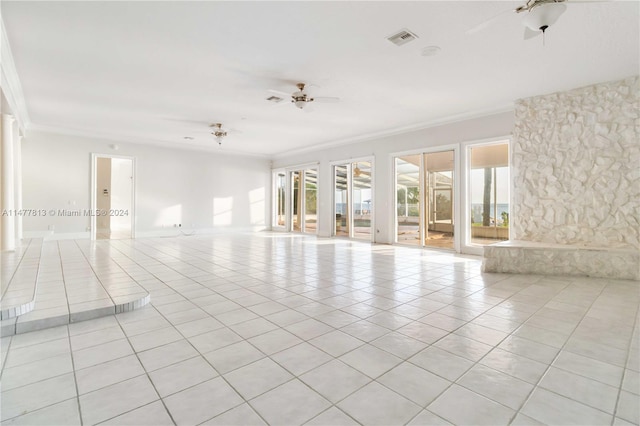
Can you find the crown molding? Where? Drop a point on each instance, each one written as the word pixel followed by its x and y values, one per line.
pixel 469 115
pixel 111 138
pixel 11 86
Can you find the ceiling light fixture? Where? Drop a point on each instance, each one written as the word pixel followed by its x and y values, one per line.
pixel 300 97
pixel 218 132
pixel 543 16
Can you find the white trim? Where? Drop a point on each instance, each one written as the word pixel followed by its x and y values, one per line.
pixel 469 115
pixel 11 86
pixel 302 166
pixel 94 158
pixel 183 232
pixel 351 160
pixel 488 141
pixel 274 199
pixel 53 236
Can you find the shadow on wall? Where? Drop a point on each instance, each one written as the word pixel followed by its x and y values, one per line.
pixel 257 206
pixel 222 211
pixel 225 215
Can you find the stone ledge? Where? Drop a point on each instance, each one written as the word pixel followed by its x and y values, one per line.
pixel 528 257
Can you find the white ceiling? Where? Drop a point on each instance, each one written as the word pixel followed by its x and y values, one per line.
pixel 160 71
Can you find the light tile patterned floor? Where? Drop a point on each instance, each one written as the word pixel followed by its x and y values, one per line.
pixel 278 329
pixel 76 281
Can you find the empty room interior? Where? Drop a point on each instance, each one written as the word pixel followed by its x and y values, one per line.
pixel 320 213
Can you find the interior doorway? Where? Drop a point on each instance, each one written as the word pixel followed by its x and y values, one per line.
pixel 112 197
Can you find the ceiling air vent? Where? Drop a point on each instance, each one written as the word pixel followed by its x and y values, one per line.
pixel 274 99
pixel 402 37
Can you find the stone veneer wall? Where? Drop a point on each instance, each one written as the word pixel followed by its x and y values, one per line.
pixel 576 185
pixel 576 167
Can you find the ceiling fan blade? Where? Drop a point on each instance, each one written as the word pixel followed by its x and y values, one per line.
pixel 282 103
pixel 326 99
pixel 529 33
pixel 279 93
pixel 186 121
pixel 487 23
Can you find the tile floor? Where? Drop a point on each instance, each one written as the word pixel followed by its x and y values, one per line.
pixel 279 329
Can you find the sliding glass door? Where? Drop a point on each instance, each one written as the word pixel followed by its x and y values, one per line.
pixel 304 200
pixel 425 194
pixel 409 207
pixel 439 197
pixel 353 200
pixel 310 201
pixel 342 224
pixel 280 188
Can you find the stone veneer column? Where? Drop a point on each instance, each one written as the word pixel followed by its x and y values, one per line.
pixel 575 185
pixel 8 220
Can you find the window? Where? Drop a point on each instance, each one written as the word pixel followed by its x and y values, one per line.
pixel 310 201
pixel 489 193
pixel 280 190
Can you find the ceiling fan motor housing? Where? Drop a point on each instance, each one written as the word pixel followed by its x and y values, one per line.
pixel 540 17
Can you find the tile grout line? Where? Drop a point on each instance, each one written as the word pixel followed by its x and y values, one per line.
pixel 550 364
pixel 247 284
pixel 624 369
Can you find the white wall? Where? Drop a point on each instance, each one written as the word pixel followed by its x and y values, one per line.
pixel 200 190
pixel 492 126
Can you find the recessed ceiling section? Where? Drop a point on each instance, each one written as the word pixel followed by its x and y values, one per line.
pixel 157 71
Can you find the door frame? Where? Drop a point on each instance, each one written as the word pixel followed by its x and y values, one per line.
pixel 457 196
pixel 94 196
pixel 466 246
pixel 288 201
pixel 348 163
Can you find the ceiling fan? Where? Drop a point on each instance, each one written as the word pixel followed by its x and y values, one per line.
pixel 220 133
pixel 301 98
pixel 539 15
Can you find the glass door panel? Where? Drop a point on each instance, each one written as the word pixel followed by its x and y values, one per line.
pixel 310 201
pixel 296 204
pixel 408 199
pixel 341 191
pixel 489 193
pixel 439 189
pixel 362 200
pixel 280 199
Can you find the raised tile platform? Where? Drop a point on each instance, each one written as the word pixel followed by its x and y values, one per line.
pixel 527 257
pixel 68 282
pixel 18 277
